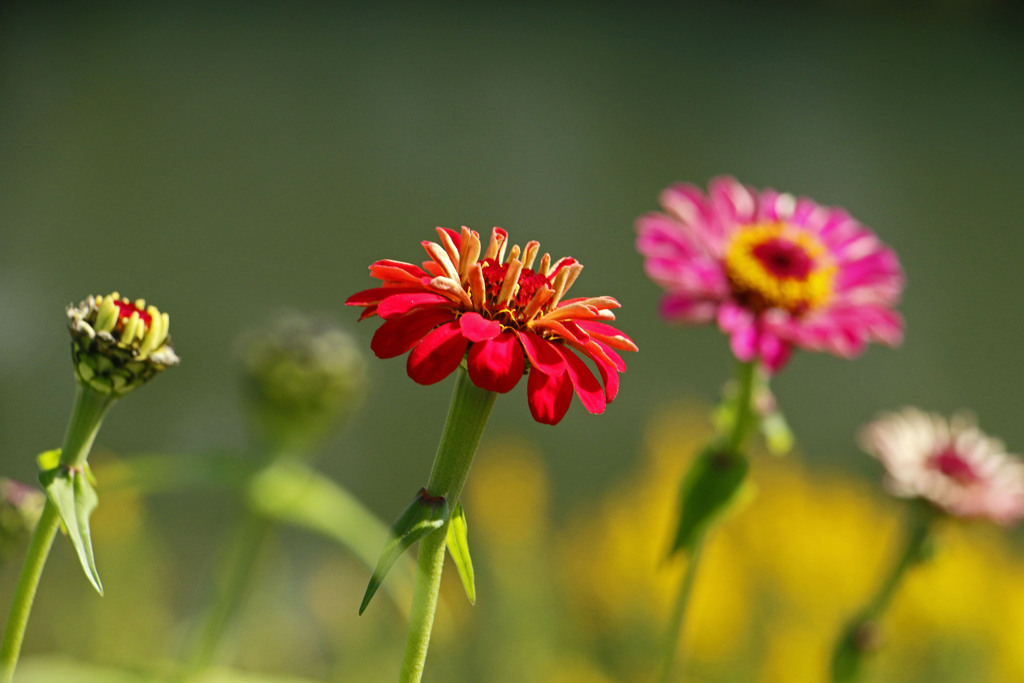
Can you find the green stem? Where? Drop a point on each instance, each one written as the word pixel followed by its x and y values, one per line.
pixel 86 417
pixel 675 626
pixel 237 574
pixel 467 417
pixel 744 419
pixel 859 636
pixel 25 593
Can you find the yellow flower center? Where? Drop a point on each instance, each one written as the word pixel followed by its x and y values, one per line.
pixel 773 265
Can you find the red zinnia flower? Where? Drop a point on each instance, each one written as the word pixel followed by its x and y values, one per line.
pixel 502 316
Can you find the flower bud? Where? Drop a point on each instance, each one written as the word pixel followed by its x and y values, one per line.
pixel 302 377
pixel 118 344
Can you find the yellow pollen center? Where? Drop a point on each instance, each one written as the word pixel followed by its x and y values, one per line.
pixel 773 265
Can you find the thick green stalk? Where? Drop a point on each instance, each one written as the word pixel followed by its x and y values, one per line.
pixel 743 420
pixel 86 417
pixel 859 635
pixel 467 417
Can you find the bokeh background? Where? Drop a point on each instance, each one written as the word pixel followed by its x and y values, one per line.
pixel 231 160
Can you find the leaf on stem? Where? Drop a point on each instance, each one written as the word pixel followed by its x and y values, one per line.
pixel 458 547
pixel 72 494
pixel 424 515
pixel 708 489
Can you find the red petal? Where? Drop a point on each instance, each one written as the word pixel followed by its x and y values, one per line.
pixel 542 354
pixel 396 271
pixel 608 334
pixel 378 294
pixel 496 364
pixel 587 387
pixel 549 396
pixel 477 328
pixel 605 359
pixel 399 334
pixel 437 355
pixel 401 304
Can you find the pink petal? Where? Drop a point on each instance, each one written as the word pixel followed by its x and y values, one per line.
pixel 743 343
pixel 400 304
pixel 542 354
pixel 732 317
pixel 685 308
pixel 401 333
pixel 437 355
pixel 477 328
pixel 587 387
pixel 496 364
pixel 773 352
pixel 549 396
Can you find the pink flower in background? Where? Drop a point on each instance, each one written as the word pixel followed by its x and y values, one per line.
pixel 502 317
pixel 774 271
pixel 949 463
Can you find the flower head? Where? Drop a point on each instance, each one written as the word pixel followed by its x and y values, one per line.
pixel 951 464
pixel 773 270
pixel 302 375
pixel 118 344
pixel 505 314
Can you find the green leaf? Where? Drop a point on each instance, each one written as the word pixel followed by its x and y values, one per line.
pixel 292 492
pixel 72 493
pixel 424 515
pixel 848 657
pixel 458 547
pixel 707 490
pixel 163 472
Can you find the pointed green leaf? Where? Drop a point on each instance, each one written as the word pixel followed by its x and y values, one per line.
pixel 290 491
pixel 458 547
pixel 72 494
pixel 424 514
pixel 707 490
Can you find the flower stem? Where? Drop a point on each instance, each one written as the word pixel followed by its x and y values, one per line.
pixel 675 626
pixel 86 417
pixel 236 577
pixel 860 634
pixel 743 419
pixel 467 417
pixel 25 593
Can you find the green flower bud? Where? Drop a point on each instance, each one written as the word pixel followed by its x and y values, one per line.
pixel 20 508
pixel 118 344
pixel 302 376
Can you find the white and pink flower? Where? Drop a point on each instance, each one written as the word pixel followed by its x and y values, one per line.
pixel 950 463
pixel 773 270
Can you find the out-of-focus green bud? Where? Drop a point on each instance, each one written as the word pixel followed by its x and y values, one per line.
pixel 20 507
pixel 117 344
pixel 303 376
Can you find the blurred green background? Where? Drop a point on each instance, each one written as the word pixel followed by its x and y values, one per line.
pixel 229 160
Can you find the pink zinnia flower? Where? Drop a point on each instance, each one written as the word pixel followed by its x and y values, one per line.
pixel 503 317
pixel 773 270
pixel 949 463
